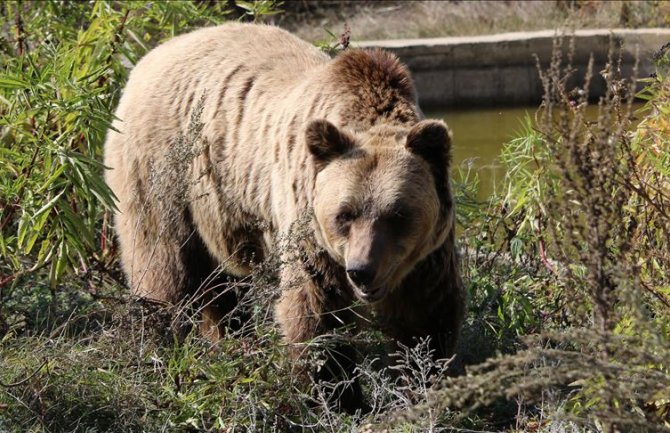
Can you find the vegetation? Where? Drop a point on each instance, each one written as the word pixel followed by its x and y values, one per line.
pixel 567 271
pixel 394 19
pixel 575 257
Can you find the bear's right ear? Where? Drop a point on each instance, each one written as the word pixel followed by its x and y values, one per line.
pixel 325 142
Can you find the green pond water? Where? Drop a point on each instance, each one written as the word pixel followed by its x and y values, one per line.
pixel 479 135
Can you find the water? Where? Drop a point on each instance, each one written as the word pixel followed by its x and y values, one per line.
pixel 479 135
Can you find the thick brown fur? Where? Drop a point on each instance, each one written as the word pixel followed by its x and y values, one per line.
pixel 229 136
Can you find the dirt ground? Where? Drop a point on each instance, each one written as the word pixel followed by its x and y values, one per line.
pixel 372 20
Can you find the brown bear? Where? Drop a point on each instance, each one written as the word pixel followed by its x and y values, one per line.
pixel 231 137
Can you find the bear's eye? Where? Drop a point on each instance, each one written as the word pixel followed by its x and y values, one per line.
pixel 399 220
pixel 399 214
pixel 345 217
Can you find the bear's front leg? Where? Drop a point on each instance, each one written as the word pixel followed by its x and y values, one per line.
pixel 308 312
pixel 440 324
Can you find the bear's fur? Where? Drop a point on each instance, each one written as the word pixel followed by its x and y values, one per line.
pixel 229 136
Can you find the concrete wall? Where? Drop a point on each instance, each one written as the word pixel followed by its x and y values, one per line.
pixel 502 69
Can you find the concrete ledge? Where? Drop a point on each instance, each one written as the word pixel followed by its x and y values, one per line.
pixel 502 69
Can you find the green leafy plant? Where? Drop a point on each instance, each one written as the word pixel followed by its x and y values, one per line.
pixel 62 70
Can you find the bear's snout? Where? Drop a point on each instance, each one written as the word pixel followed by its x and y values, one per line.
pixel 364 281
pixel 361 276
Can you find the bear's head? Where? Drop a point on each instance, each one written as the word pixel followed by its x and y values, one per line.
pixel 382 200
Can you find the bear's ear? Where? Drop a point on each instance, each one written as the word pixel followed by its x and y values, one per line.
pixel 431 139
pixel 325 142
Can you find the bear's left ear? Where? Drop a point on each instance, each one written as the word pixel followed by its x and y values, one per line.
pixel 326 142
pixel 431 139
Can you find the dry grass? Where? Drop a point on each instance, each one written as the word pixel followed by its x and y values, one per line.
pixel 374 20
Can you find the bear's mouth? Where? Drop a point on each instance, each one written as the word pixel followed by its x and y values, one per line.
pixel 368 294
pixel 375 291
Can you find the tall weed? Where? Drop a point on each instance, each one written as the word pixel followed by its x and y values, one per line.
pixel 581 239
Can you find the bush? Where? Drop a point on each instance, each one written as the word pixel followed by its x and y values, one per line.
pixel 579 244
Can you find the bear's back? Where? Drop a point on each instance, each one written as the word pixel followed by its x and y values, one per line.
pixel 259 47
pixel 208 61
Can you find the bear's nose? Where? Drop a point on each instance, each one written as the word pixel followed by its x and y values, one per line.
pixel 361 276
